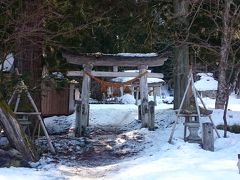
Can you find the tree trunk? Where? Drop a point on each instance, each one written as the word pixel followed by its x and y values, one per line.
pixel 15 135
pixel 181 73
pixel 181 53
pixel 225 117
pixel 28 57
pixel 222 91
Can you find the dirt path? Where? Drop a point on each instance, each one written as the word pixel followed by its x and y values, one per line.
pixel 92 156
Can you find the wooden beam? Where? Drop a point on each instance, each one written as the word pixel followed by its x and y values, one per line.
pixel 113 60
pixel 27 113
pixel 114 74
pixel 41 122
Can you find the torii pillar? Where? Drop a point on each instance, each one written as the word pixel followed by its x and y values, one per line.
pixel 84 109
pixel 144 96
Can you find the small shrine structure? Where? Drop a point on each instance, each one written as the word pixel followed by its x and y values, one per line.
pixel 90 60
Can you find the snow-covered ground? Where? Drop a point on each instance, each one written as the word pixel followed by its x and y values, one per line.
pixel 158 159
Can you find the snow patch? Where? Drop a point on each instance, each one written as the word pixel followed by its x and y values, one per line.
pixel 206 82
pixel 168 100
pixel 127 99
pixel 58 124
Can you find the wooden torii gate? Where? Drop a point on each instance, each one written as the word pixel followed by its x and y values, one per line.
pixel 88 61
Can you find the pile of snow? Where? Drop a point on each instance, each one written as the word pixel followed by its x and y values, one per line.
pixel 168 99
pixel 206 82
pixel 58 124
pixel 112 114
pixel 127 99
pixel 57 75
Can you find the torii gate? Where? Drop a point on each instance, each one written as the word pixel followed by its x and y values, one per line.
pixel 88 61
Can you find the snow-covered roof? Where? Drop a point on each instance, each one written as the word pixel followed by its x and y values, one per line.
pixel 8 63
pixel 136 71
pixel 205 74
pixel 137 54
pixel 149 80
pixel 206 82
pixel 120 59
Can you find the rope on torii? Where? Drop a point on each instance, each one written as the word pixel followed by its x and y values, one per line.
pixel 115 84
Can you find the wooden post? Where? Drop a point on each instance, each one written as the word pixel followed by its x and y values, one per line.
pixel 238 164
pixel 115 68
pixel 104 98
pixel 144 96
pixel 88 114
pixel 71 98
pixel 139 112
pixel 179 111
pixel 12 97
pixel 155 96
pixel 41 122
pixel 185 128
pixel 132 90
pixel 76 128
pixel 17 103
pixel 208 139
pixel 151 115
pixel 121 91
pixel 85 96
pixel 195 94
pixel 137 95
pixel 77 94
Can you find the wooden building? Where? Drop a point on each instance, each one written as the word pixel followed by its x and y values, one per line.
pixel 57 102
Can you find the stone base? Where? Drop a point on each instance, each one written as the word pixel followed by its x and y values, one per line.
pixel 199 141
pixel 193 128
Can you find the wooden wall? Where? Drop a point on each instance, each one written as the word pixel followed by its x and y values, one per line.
pixel 57 102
